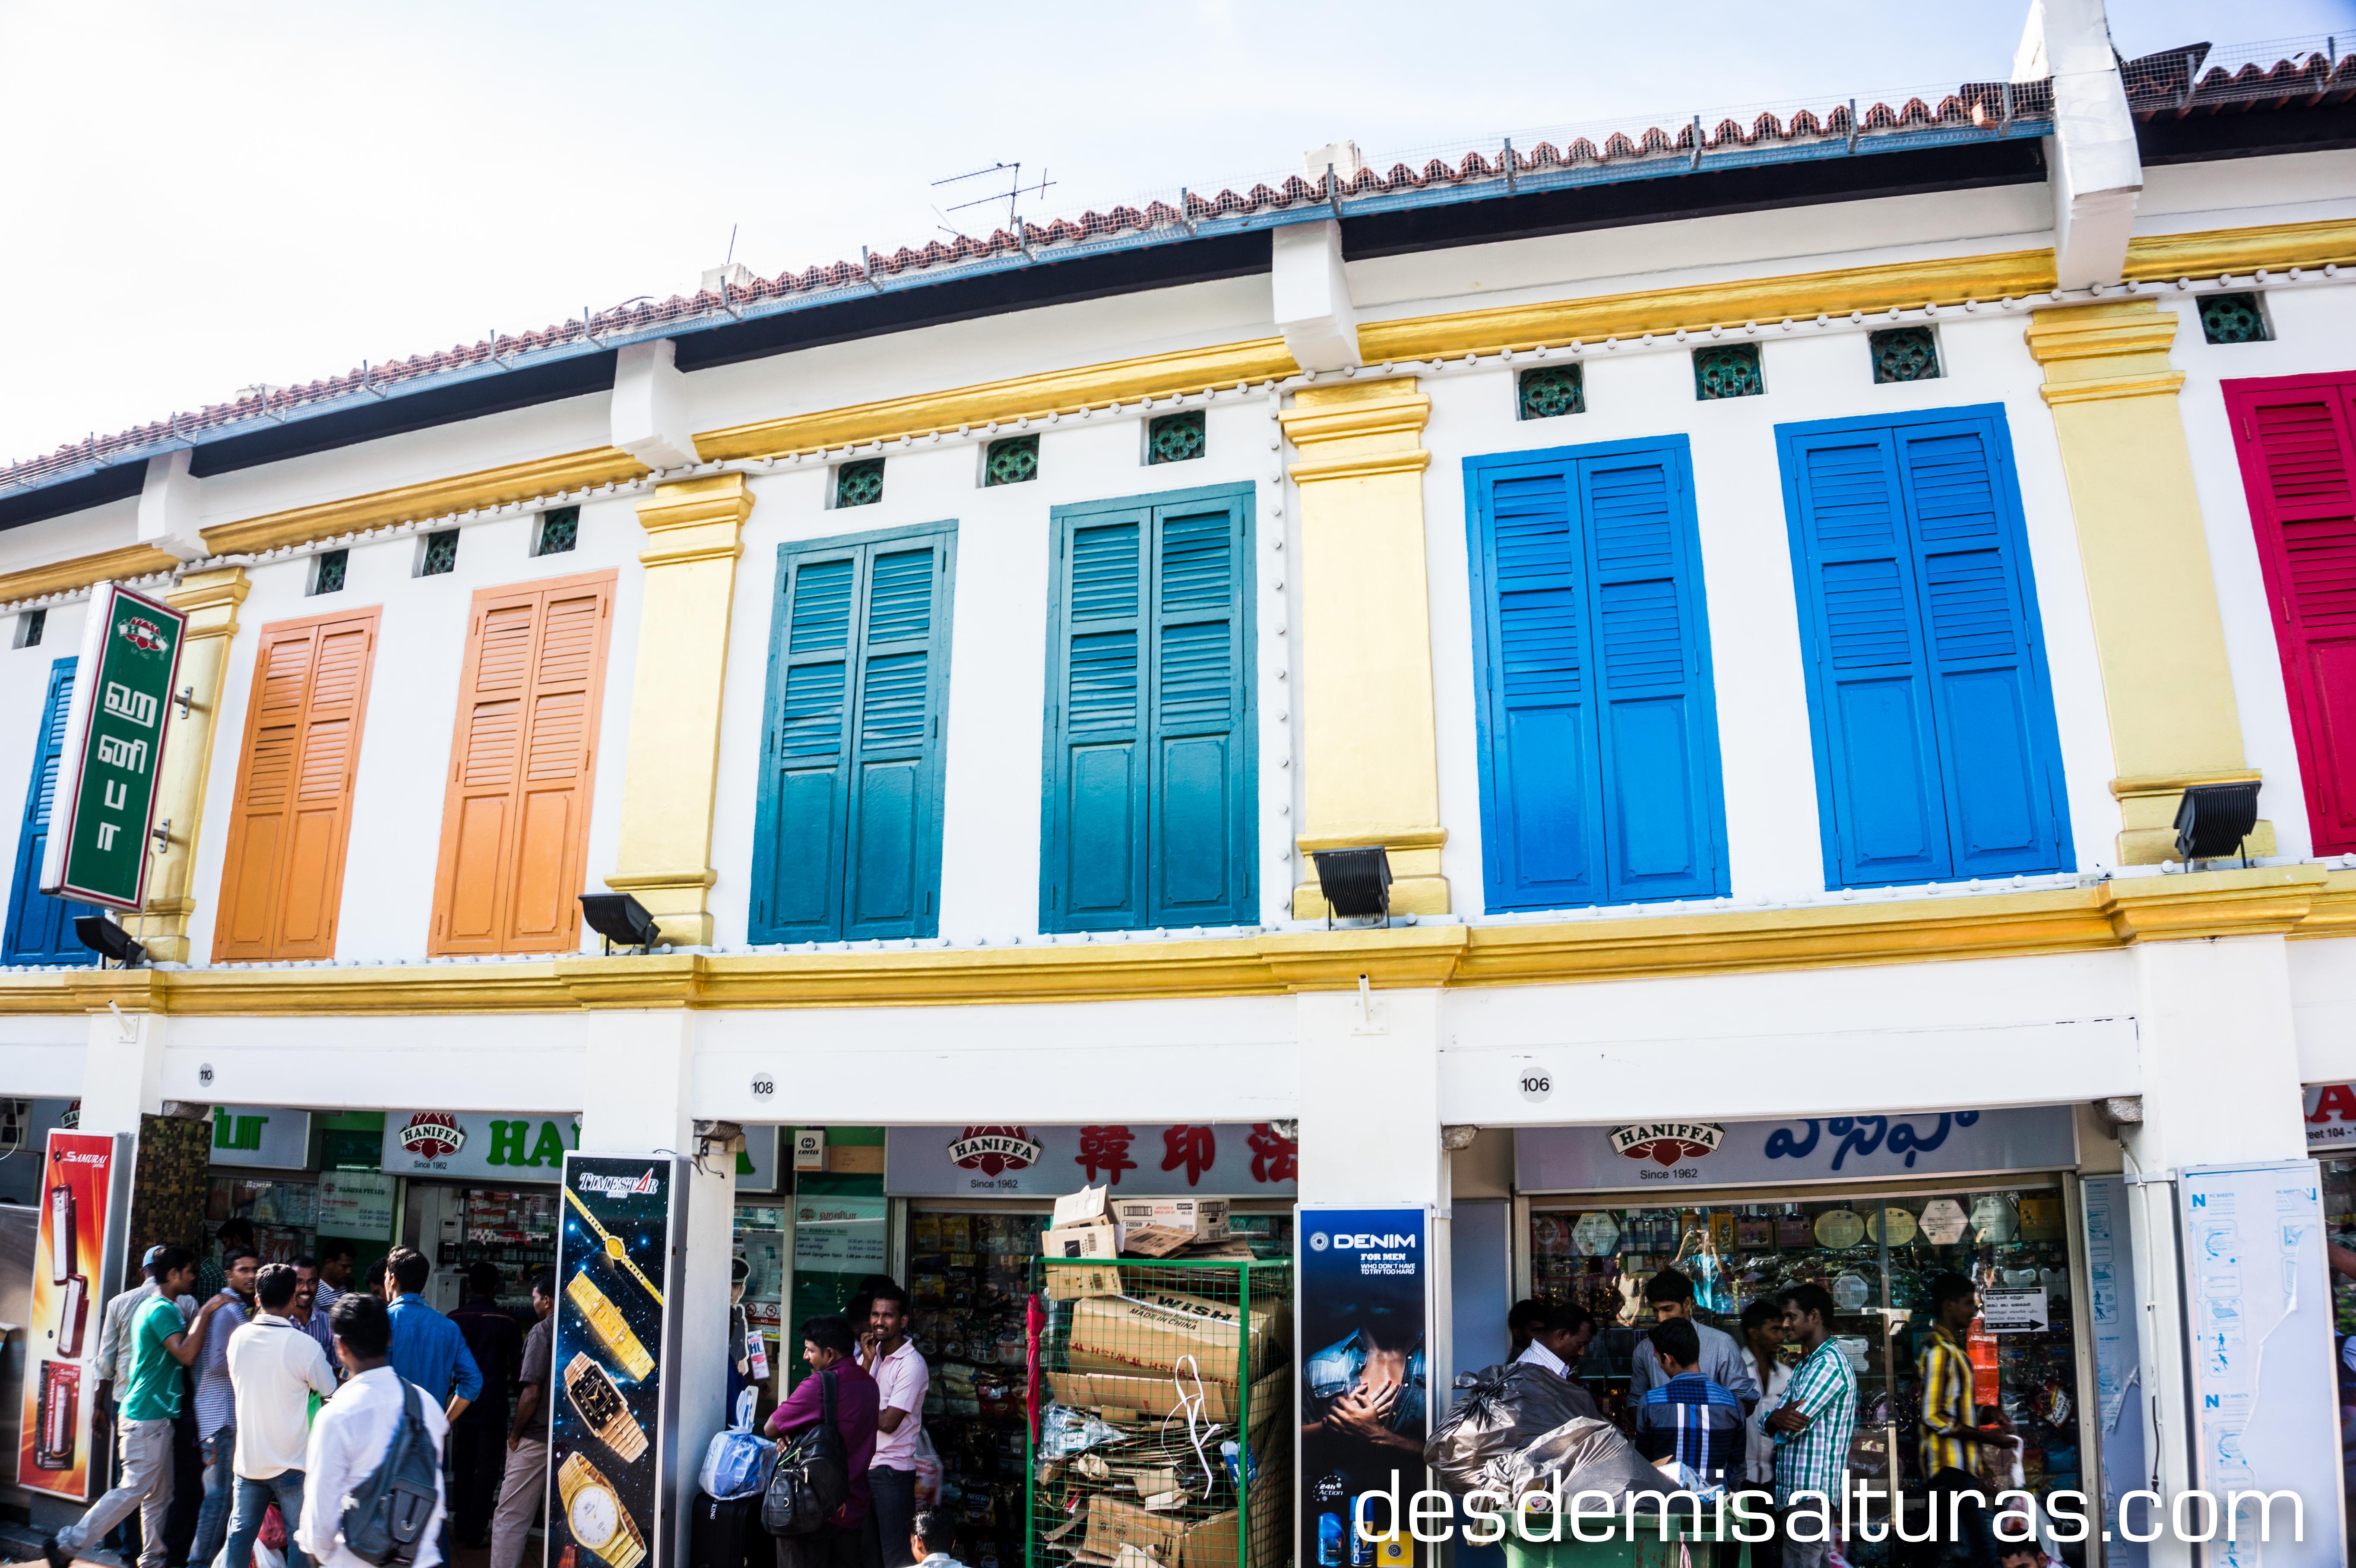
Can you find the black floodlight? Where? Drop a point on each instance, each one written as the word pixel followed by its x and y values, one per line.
pixel 1355 882
pixel 108 939
pixel 618 917
pixel 2215 821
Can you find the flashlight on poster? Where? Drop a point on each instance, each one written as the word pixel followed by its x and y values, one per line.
pixel 61 1233
pixel 73 1316
pixel 53 1444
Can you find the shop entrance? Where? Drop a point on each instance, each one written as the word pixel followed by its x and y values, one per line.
pixel 1878 1247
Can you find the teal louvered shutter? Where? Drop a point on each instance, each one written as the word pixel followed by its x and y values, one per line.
pixel 847 839
pixel 41 928
pixel 1097 839
pixel 1148 817
pixel 1659 738
pixel 1545 821
pixel 1197 812
pixel 1937 753
pixel 1599 771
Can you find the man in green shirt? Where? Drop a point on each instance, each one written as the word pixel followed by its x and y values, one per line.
pixel 161 1345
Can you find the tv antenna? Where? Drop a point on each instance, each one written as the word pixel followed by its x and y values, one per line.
pixel 1012 196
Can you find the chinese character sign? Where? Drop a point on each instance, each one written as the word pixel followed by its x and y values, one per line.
pixel 109 766
pixel 1104 1151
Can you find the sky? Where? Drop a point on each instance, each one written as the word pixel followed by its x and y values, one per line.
pixel 207 197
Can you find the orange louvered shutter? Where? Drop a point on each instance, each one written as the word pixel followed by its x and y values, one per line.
pixel 515 825
pixel 283 881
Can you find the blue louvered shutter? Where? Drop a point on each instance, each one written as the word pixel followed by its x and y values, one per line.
pixel 1657 742
pixel 1997 737
pixel 1098 835
pixel 40 929
pixel 847 844
pixel 1546 813
pixel 1938 756
pixel 1148 814
pixel 1197 815
pixel 1599 766
pixel 1880 750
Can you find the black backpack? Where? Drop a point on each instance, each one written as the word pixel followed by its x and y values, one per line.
pixel 811 1477
pixel 386 1519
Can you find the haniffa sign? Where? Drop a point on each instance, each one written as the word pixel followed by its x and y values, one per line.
pixel 107 768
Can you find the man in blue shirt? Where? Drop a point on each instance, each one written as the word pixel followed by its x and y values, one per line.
pixel 427 1349
pixel 1697 1421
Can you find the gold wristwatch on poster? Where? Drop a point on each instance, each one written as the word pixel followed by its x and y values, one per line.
pixel 606 1321
pixel 615 1252
pixel 590 1388
pixel 594 1512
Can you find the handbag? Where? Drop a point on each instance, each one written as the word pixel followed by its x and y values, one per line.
pixel 811 1477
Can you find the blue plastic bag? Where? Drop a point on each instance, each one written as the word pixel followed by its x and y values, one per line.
pixel 736 1464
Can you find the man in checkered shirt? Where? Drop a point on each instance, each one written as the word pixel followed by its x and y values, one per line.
pixel 1811 1429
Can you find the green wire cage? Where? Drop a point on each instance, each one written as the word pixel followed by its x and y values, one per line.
pixel 1161 1414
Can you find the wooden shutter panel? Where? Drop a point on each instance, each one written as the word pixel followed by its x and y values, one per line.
pixel 1545 820
pixel 2002 770
pixel 847 841
pixel 2297 438
pixel 1098 837
pixel 1937 754
pixel 1197 815
pixel 41 928
pixel 1658 743
pixel 515 821
pixel 281 885
pixel 1600 763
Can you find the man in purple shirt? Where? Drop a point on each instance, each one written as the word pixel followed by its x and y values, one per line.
pixel 828 1345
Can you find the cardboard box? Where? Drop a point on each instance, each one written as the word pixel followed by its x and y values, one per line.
pixel 1074 1281
pixel 1123 1394
pixel 1205 1217
pixel 1149 1331
pixel 1155 1240
pixel 1082 1207
pixel 1084 1240
pixel 1177 1541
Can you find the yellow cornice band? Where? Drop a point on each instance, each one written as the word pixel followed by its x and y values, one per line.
pixel 434 498
pixel 64 576
pixel 2292 901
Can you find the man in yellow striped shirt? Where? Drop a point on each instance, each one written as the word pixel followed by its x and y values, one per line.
pixel 1952 1435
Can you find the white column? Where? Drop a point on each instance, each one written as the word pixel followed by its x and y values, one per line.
pixel 634 1100
pixel 122 1070
pixel 1370 1099
pixel 2220 1084
pixel 2092 162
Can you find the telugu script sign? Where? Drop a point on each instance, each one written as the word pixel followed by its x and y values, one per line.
pixel 113 749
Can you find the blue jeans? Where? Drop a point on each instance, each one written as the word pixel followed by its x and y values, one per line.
pixel 245 1519
pixel 212 1520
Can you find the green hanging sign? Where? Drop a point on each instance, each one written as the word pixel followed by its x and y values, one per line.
pixel 112 757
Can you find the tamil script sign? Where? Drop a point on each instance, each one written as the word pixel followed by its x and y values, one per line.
pixel 112 755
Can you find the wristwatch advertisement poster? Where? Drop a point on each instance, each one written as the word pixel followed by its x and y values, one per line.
pixel 85 1204
pixel 620 1223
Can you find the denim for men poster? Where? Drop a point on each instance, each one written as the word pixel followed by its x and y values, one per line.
pixel 1365 1402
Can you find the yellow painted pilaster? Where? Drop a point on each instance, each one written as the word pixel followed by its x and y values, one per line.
pixel 2157 632
pixel 210 601
pixel 694 534
pixel 1369 756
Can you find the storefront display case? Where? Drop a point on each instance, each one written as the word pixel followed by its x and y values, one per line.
pixel 1877 1251
pixel 283 1210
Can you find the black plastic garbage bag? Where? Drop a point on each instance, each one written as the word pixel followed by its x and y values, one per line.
pixel 1582 1455
pixel 1500 1411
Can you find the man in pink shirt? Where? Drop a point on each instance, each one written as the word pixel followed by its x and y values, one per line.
pixel 899 1380
pixel 829 1346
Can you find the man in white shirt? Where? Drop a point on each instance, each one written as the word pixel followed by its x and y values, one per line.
pixel 931 1535
pixel 1670 1294
pixel 1558 1344
pixel 275 1369
pixel 887 1355
pixel 353 1433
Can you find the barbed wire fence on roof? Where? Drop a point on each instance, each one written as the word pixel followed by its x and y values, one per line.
pixel 2193 80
